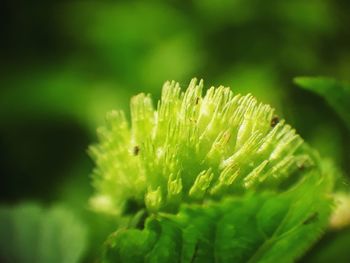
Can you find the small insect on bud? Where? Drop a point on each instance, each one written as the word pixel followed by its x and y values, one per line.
pixel 274 121
pixel 136 150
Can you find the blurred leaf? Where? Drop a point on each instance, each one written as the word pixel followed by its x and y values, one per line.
pixel 333 248
pixel 140 43
pixel 309 16
pixel 32 234
pixel 319 139
pixel 65 92
pixel 336 93
pixel 175 58
pixel 222 12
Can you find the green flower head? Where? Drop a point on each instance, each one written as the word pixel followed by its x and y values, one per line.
pixel 191 148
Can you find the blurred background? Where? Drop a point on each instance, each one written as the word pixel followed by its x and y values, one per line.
pixel 64 64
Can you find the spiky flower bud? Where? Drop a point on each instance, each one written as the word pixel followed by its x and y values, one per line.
pixel 193 148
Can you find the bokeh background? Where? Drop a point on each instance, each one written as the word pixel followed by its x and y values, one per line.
pixel 64 64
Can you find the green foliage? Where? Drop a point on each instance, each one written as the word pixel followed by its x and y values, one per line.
pixel 334 246
pixel 220 177
pixel 254 228
pixel 336 93
pixel 32 234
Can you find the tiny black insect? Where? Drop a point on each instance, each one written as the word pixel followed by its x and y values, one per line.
pixel 312 218
pixel 274 121
pixel 136 150
pixel 197 100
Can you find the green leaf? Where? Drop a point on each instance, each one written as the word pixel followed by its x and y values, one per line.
pixel 256 227
pixel 32 234
pixel 336 93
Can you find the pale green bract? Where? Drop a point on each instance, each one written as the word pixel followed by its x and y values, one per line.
pixel 220 177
